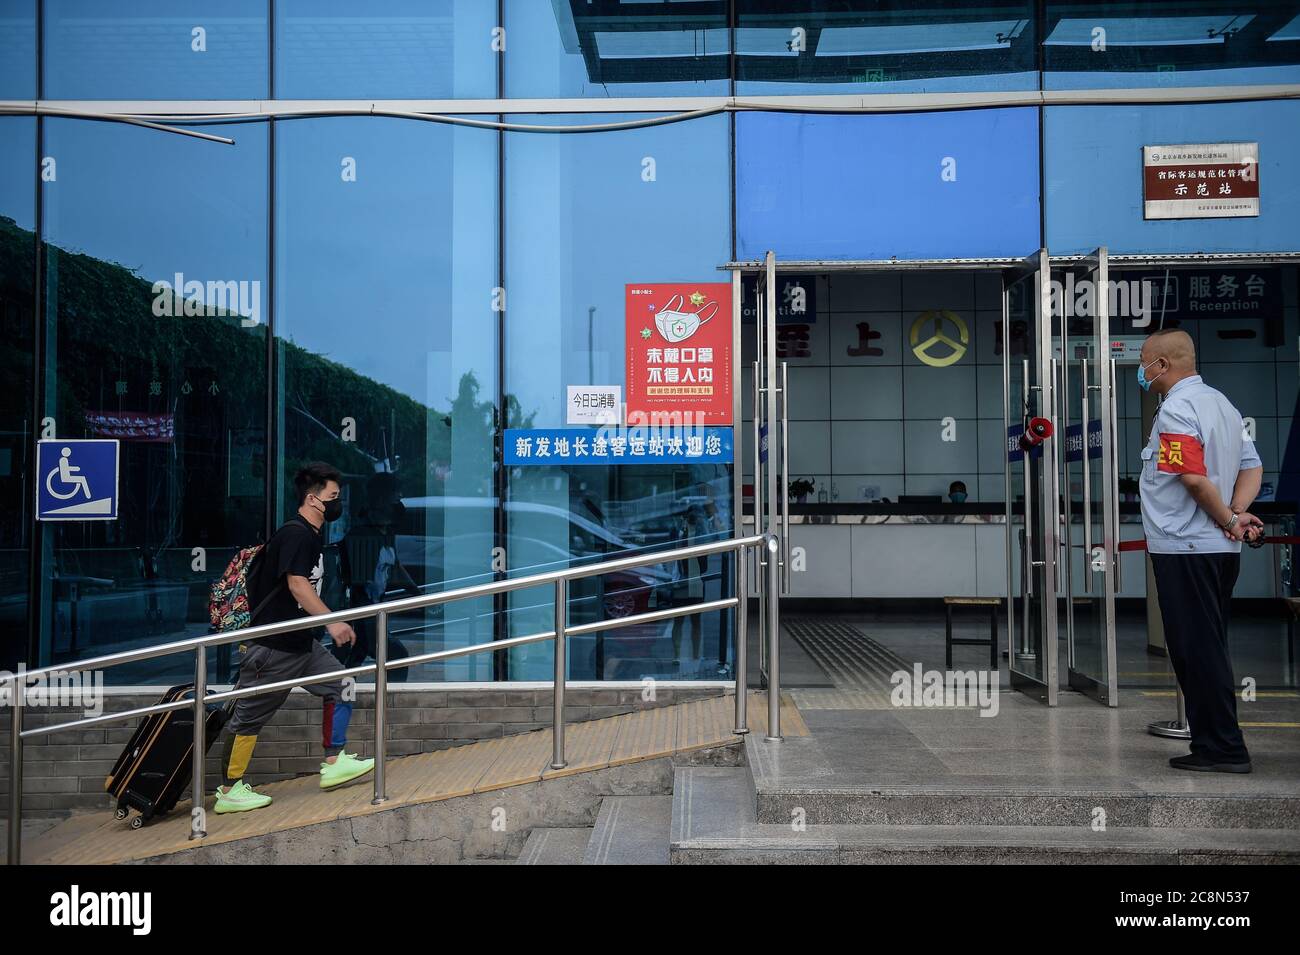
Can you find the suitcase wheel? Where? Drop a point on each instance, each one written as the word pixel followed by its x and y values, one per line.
pixel 120 813
pixel 137 822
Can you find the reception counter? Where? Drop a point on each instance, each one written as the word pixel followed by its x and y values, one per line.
pixel 896 555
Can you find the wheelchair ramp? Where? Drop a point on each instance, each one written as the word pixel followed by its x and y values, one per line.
pixel 483 767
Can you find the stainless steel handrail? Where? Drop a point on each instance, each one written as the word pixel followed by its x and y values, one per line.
pixel 382 612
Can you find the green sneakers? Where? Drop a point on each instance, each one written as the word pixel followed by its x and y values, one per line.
pixel 240 797
pixel 344 769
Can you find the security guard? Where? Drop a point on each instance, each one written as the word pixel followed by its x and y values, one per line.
pixel 1199 475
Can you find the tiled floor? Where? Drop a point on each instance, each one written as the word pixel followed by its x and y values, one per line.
pixel 1077 744
pixel 1258 646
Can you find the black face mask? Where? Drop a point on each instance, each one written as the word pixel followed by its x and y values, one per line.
pixel 333 510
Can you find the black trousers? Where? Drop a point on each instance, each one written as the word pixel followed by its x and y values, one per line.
pixel 1194 592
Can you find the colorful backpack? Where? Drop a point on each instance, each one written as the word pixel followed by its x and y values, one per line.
pixel 228 600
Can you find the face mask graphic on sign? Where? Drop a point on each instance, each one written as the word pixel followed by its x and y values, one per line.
pixel 676 325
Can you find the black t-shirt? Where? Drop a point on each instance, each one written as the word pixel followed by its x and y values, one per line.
pixel 294 549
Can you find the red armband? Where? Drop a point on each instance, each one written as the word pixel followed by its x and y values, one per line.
pixel 1180 454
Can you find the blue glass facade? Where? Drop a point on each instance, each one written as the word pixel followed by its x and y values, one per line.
pixel 390 295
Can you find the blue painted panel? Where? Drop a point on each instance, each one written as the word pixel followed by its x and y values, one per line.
pixel 874 186
pixel 1093 159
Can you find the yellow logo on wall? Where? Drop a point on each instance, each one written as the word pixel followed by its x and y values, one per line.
pixel 943 321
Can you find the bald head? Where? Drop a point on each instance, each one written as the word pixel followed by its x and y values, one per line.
pixel 1168 356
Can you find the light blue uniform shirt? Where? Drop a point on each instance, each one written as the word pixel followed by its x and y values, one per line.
pixel 1173 521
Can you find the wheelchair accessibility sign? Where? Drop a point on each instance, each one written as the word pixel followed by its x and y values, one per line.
pixel 76 479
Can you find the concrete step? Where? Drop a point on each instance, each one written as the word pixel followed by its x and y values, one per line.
pixel 793 777
pixel 631 830
pixel 714 821
pixel 555 847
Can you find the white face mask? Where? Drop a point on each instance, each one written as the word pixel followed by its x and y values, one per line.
pixel 677 326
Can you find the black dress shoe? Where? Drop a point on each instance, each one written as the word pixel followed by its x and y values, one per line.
pixel 1202 764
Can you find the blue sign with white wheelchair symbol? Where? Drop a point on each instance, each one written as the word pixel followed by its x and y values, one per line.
pixel 76 479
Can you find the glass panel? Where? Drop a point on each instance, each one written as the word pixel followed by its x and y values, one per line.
pixel 574 48
pixel 17 288
pixel 1028 472
pixel 847 46
pixel 155 49
pixel 1261 630
pixel 154 333
pixel 386 49
pixel 877 186
pixel 18 50
pixel 1159 44
pixel 1247 350
pixel 868 399
pixel 664 192
pixel 1082 355
pixel 385 266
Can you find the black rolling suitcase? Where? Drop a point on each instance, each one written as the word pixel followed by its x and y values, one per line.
pixel 154 769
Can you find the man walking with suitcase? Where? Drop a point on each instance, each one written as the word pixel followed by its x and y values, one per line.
pixel 286 575
pixel 1199 475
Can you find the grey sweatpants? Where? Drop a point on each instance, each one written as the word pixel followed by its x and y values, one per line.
pixel 265 665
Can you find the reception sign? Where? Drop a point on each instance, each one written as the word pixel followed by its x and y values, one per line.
pixel 678 340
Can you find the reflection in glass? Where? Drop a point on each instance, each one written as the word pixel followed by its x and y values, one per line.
pixel 663 194
pixel 390 49
pixel 386 260
pixel 842 46
pixel 572 48
pixel 1158 44
pixel 18 50
pixel 154 334
pixel 612 512
pixel 17 270
pixel 155 49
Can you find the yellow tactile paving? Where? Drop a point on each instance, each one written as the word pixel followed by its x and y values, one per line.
pixel 1270 725
pixel 792 723
pixel 427 777
pixel 646 734
pixel 458 771
pixel 520 760
pixel 705 722
pixel 401 782
pixel 587 746
pixel 1260 694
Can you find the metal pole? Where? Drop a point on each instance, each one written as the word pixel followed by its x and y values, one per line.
pixel 1006 475
pixel 1175 728
pixel 199 753
pixel 16 772
pixel 561 672
pixel 742 637
pixel 381 703
pixel 759 576
pixel 774 641
pixel 1027 550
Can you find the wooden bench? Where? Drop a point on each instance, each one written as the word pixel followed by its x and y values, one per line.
pixel 992 642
